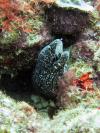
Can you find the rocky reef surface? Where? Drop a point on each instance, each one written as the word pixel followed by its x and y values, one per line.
pixel 19 50
pixel 77 108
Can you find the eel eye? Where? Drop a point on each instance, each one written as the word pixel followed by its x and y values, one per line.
pixel 55 59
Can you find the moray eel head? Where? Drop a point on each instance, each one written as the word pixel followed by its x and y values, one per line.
pixel 49 67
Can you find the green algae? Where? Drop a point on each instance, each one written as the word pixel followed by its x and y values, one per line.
pixel 33 39
pixel 81 67
pixel 9 37
pixel 36 23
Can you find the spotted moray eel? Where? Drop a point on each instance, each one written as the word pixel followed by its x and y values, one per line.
pixel 49 67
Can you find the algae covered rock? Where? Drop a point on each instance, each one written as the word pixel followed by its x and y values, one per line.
pixel 19 46
pixel 18 50
pixel 74 4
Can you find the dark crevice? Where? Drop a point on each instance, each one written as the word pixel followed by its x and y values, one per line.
pixel 20 87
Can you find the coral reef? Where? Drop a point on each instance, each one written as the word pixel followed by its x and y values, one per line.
pixel 19 50
pixel 49 67
pixel 22 32
pixel 22 117
pixel 74 82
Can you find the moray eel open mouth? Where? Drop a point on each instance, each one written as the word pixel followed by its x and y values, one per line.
pixel 49 67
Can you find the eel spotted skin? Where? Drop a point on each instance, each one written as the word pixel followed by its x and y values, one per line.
pixel 49 67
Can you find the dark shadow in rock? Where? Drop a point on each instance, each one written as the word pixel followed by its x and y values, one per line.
pixel 52 111
pixel 68 40
pixel 20 87
pixel 66 24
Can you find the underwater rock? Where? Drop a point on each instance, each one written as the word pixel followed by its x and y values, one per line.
pixel 66 22
pixel 18 51
pixel 68 17
pixel 75 4
pixel 50 66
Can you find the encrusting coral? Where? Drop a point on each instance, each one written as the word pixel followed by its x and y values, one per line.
pixel 49 67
